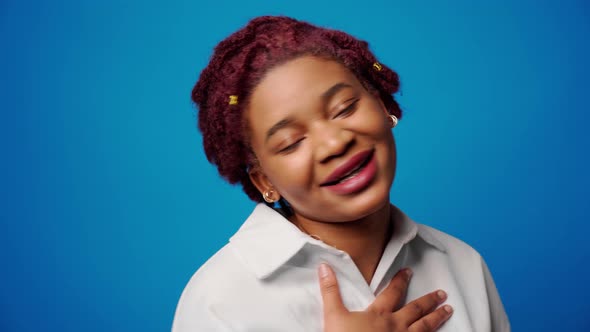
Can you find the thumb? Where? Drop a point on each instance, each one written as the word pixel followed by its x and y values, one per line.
pixel 330 291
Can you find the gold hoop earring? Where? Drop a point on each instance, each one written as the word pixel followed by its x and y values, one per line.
pixel 393 120
pixel 268 196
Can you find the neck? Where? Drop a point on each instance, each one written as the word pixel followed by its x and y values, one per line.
pixel 364 239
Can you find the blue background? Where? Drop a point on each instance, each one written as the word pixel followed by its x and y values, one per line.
pixel 109 205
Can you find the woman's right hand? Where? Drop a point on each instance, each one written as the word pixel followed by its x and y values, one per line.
pixel 420 315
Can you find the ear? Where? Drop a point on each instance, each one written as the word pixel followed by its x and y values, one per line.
pixel 384 110
pixel 375 95
pixel 262 182
pixel 382 106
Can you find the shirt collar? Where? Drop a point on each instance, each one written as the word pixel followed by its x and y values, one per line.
pixel 267 240
pixel 406 229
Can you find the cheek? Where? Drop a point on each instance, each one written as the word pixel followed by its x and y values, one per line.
pixel 292 176
pixel 374 117
pixel 377 126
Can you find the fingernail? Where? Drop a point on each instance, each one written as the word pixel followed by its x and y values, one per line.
pixel 408 273
pixel 441 295
pixel 323 270
pixel 448 309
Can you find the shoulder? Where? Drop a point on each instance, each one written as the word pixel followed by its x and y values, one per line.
pixel 465 263
pixel 458 256
pixel 219 280
pixel 473 276
pixel 425 237
pixel 446 242
pixel 217 276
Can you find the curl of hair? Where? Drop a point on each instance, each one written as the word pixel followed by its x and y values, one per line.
pixel 240 62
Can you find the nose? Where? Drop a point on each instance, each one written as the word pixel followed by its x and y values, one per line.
pixel 332 141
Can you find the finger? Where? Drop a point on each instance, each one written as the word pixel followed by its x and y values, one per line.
pixel 394 293
pixel 330 292
pixel 420 307
pixel 433 320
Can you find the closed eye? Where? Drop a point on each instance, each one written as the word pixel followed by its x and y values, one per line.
pixel 291 147
pixel 348 109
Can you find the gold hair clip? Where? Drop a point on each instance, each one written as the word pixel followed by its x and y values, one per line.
pixel 233 100
pixel 377 66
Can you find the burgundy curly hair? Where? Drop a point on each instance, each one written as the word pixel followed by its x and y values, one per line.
pixel 240 62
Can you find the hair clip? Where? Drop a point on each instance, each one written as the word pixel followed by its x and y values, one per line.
pixel 233 100
pixel 377 66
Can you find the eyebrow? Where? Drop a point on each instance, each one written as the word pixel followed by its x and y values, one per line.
pixel 289 120
pixel 334 90
pixel 278 126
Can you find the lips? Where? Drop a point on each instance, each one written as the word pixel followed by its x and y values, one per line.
pixel 350 167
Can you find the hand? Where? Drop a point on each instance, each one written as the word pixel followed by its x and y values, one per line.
pixel 417 316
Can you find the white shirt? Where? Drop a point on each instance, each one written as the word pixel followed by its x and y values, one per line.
pixel 265 279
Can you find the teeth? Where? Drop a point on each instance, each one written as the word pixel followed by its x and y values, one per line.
pixel 351 175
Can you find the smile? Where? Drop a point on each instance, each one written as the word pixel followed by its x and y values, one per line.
pixel 354 175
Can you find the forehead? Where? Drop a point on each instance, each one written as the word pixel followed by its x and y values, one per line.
pixel 301 78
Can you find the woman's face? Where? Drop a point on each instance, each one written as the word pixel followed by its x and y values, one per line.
pixel 323 142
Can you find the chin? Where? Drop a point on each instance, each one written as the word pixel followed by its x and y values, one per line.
pixel 332 208
pixel 363 205
pixel 374 203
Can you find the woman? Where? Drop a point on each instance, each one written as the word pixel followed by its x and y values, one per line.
pixel 301 117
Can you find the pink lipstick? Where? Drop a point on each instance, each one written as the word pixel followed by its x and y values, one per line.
pixel 354 175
